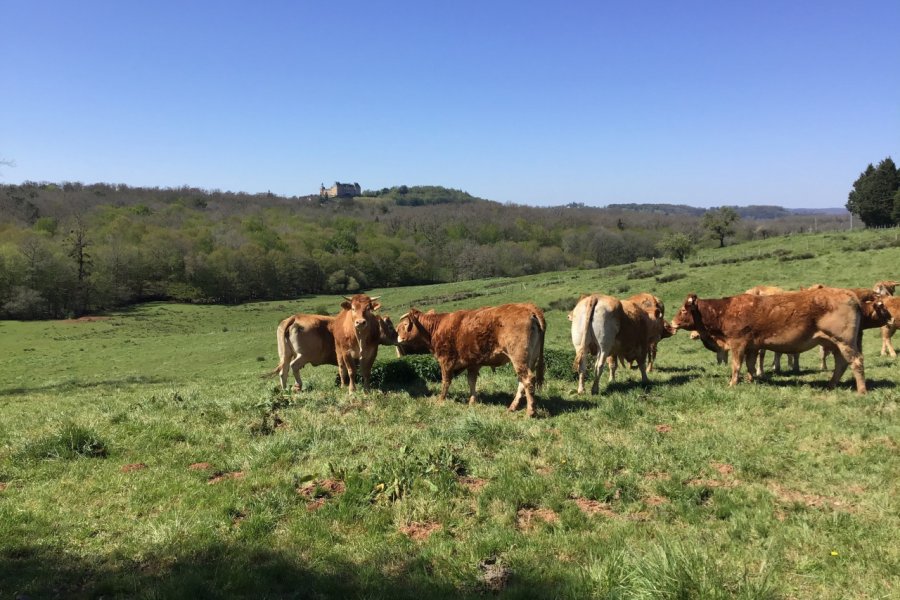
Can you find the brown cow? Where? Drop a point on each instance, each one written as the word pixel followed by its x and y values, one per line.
pixel 792 322
pixel 892 304
pixel 309 340
pixel 605 326
pixel 356 335
pixel 466 340
pixel 417 345
pixel 793 359
pixel 661 330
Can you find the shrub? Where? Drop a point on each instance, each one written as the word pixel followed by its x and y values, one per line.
pixel 670 277
pixel 558 364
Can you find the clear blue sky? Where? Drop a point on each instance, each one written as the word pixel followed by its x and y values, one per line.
pixel 704 103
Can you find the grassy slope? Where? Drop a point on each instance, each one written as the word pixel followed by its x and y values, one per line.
pixel 775 489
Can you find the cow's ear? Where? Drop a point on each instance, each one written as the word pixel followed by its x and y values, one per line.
pixel 691 299
pixel 345 305
pixel 658 314
pixel 376 305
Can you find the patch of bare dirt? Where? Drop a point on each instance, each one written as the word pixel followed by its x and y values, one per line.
pixel 663 428
pixel 200 466
pixel 544 470
pixel 320 491
pixel 527 518
pixel 657 476
pixel 595 507
pixel 788 496
pixel 419 532
pixel 473 484
pixel 654 500
pixel 133 467
pixel 723 468
pixel 2 486
pixel 219 476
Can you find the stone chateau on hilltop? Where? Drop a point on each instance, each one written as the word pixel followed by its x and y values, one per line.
pixel 340 190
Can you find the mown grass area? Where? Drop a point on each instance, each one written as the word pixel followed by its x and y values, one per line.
pixel 141 455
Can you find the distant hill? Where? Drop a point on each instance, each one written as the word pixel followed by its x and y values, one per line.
pixel 422 195
pixel 753 211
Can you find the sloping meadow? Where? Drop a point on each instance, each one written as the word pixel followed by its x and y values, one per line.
pixel 142 455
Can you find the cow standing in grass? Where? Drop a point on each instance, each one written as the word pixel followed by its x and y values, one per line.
pixel 466 340
pixel 305 339
pixel 356 335
pixel 605 326
pixel 792 322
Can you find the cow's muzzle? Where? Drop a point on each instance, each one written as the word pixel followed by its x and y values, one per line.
pixel 360 325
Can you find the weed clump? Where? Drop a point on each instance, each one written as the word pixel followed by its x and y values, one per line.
pixel 69 442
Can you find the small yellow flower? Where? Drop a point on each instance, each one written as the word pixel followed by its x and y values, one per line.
pixel 834 553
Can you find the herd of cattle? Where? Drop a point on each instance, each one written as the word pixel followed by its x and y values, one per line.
pixel 606 329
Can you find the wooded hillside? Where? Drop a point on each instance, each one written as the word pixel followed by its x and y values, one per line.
pixel 69 249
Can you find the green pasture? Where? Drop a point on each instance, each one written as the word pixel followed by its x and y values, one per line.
pixel 143 456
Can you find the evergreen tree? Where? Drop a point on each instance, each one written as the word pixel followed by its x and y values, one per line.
pixel 873 194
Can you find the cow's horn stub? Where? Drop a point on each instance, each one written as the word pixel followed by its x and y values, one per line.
pixel 374 298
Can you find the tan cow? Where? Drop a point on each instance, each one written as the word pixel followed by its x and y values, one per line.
pixel 606 326
pixel 721 353
pixel 792 322
pixel 874 314
pixel 466 340
pixel 305 339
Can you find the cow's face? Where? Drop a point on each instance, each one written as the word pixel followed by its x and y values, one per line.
pixel 686 317
pixel 877 313
pixel 406 327
pixel 362 309
pixel 388 332
pixel 667 330
pixel 885 288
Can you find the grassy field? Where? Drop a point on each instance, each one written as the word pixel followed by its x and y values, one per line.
pixel 141 455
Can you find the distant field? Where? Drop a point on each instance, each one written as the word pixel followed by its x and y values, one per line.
pixel 141 455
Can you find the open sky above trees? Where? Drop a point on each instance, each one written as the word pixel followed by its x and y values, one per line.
pixel 707 104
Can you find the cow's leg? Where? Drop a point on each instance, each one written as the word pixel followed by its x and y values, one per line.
pixel 651 356
pixel 642 365
pixel 365 366
pixel 526 386
pixel 753 359
pixel 887 347
pixel 613 363
pixel 776 363
pixel 721 357
pixel 737 357
pixel 296 364
pixel 472 375
pixel 598 371
pixel 350 367
pixel 844 354
pixel 582 373
pixel 823 354
pixel 446 378
pixel 757 365
pixel 794 361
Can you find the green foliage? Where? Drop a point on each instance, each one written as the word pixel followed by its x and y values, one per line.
pixel 558 364
pixel 720 223
pixel 873 194
pixel 676 246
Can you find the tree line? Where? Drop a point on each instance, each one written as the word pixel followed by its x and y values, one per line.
pixel 70 249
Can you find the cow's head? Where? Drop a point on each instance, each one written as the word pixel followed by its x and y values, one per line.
pixel 667 330
pixel 875 313
pixel 411 335
pixel 688 316
pixel 886 288
pixel 361 308
pixel 387 331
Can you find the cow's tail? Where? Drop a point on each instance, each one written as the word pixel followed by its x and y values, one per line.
pixel 281 334
pixel 582 347
pixel 539 328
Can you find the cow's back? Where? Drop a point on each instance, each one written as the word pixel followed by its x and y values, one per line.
pixel 313 337
pixel 484 336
